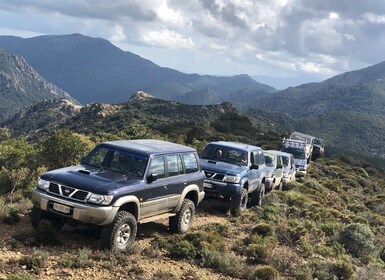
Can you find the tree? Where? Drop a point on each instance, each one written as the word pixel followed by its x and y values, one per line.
pixel 65 148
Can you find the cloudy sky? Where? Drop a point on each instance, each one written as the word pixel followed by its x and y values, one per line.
pixel 313 39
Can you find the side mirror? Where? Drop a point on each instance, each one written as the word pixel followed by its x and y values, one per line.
pixel 254 166
pixel 152 177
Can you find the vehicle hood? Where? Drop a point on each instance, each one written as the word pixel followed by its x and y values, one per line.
pixel 301 162
pixel 223 167
pixel 90 179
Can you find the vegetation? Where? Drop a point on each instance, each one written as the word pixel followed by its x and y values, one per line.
pixel 329 225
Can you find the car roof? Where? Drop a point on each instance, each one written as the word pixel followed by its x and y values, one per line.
pixel 280 153
pixel 300 134
pixel 148 146
pixel 272 152
pixel 236 145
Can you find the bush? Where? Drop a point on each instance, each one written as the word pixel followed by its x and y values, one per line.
pixel 265 272
pixel 13 216
pixel 81 260
pixel 263 229
pixel 35 261
pixel 183 250
pixel 332 271
pixel 358 240
pixel 225 263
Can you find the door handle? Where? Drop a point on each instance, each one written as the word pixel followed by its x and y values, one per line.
pixel 165 187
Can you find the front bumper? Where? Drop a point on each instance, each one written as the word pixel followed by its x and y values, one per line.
pixel 85 213
pixel 218 188
pixel 300 173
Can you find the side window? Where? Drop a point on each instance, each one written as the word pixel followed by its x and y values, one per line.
pixel 157 166
pixel 190 162
pixel 261 158
pixel 174 165
pixel 258 158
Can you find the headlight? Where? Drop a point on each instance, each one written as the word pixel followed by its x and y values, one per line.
pixel 42 184
pixel 232 179
pixel 100 199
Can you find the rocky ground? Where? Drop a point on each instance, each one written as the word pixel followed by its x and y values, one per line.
pixel 143 263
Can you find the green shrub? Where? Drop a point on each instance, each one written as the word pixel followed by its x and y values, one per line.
pixel 263 229
pixel 13 216
pixel 81 260
pixel 332 271
pixel 34 261
pixel 19 277
pixel 183 250
pixel 265 272
pixel 358 239
pixel 209 240
pixel 225 263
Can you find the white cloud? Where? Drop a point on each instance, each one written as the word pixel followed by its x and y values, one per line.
pixel 167 38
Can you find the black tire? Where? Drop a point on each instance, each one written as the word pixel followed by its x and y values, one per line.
pixel 182 221
pixel 240 202
pixel 257 196
pixel 37 215
pixel 120 234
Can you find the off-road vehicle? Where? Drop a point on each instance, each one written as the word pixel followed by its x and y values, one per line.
pixel 274 170
pixel 233 172
pixel 120 184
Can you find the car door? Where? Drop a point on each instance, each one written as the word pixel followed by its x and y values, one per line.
pixel 176 180
pixel 153 196
pixel 255 174
pixel 279 170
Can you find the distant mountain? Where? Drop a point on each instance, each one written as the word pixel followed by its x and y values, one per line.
pixel 357 91
pixel 21 85
pixel 94 70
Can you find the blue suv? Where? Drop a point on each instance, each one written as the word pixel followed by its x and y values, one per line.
pixel 234 171
pixel 120 184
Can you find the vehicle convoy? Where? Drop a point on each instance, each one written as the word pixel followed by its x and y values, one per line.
pixel 288 168
pixel 122 183
pixel 274 170
pixel 298 150
pixel 309 142
pixel 234 171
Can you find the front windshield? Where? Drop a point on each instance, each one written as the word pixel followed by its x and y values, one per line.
pixel 117 160
pixel 297 153
pixel 269 159
pixel 225 154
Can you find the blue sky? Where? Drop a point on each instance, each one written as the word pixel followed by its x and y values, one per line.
pixel 312 39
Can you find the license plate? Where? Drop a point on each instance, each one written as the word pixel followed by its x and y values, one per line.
pixel 207 185
pixel 61 208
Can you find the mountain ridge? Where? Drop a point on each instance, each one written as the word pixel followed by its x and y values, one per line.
pixel 21 85
pixel 94 70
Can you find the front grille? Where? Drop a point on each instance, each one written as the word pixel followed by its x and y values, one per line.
pixel 214 176
pixel 68 192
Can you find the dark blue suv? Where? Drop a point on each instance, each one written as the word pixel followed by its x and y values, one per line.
pixel 234 171
pixel 119 184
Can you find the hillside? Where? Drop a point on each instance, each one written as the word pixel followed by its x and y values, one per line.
pixel 328 226
pixel 94 70
pixel 145 114
pixel 360 91
pixel 21 85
